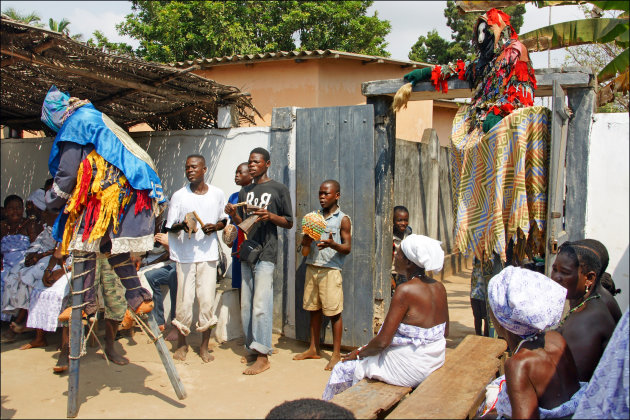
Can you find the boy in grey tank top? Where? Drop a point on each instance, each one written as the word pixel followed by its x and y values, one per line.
pixel 323 292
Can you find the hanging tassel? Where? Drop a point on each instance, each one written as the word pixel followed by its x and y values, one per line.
pixel 142 201
pixel 79 196
pixel 402 97
pixel 91 216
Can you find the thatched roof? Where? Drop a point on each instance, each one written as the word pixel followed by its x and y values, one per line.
pixel 127 89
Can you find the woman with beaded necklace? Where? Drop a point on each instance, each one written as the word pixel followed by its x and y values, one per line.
pixel 589 324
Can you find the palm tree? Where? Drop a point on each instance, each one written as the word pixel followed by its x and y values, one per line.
pixel 61 26
pixel 30 19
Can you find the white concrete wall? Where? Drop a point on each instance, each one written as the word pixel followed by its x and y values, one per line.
pixel 24 165
pixel 25 161
pixel 607 197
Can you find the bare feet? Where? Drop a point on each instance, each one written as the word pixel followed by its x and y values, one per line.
pixel 335 358
pixel 205 355
pixel 172 335
pixel 116 358
pixel 181 352
pixel 261 365
pixel 34 344
pixel 308 354
pixel 19 328
pixel 62 363
pixel 249 358
pixel 9 336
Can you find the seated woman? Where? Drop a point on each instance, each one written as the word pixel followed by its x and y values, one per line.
pixel 606 396
pixel 21 280
pixel 540 379
pixel 16 233
pixel 589 324
pixel 411 343
pixel 49 295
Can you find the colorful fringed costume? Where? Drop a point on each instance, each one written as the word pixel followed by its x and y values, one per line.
pixel 106 189
pixel 499 142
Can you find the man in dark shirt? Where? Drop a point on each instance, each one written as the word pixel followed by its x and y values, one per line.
pixel 274 211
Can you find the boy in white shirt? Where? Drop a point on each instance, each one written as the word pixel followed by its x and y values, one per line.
pixel 197 256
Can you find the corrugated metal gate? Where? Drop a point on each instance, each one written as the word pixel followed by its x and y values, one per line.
pixel 338 143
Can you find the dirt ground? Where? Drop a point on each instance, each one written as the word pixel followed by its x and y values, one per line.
pixel 141 389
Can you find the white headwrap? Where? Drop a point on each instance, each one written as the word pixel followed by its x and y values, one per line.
pixel 524 301
pixel 423 252
pixel 37 197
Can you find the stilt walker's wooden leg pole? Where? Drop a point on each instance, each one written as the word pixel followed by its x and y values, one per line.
pixel 154 334
pixel 75 340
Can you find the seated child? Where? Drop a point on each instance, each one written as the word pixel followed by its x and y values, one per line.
pixel 401 231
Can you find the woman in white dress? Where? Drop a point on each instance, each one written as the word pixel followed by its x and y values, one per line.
pixel 411 343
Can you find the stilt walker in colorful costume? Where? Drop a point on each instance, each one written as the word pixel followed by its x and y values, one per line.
pixel 499 143
pixel 107 191
pixel 499 147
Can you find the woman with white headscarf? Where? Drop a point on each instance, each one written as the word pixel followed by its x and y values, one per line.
pixel 411 343
pixel 541 380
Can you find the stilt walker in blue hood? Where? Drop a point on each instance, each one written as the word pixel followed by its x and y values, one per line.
pixel 108 194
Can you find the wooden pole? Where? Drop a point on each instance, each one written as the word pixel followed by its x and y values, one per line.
pixel 75 339
pixel 433 192
pixel 165 356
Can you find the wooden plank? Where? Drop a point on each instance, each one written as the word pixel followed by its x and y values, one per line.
pixel 362 145
pixel 433 197
pixel 280 133
pixel 556 175
pixel 369 398
pixel 582 103
pixel 570 77
pixel 302 206
pixel 461 381
pixel 349 195
pixel 384 166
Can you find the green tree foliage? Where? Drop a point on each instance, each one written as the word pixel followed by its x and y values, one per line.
pixel 436 50
pixel 99 40
pixel 30 19
pixel 182 30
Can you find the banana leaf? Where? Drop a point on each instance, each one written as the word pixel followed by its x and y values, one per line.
pixel 575 32
pixel 618 64
pixel 470 6
pixel 604 5
pixel 544 3
pixel 612 5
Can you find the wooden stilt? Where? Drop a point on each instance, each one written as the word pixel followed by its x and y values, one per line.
pixel 165 355
pixel 75 344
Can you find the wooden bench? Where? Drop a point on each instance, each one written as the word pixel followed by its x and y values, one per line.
pixel 453 391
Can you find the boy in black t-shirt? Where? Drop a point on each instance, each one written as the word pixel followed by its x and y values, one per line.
pixel 257 278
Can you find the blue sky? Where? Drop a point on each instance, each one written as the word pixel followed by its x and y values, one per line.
pixel 409 20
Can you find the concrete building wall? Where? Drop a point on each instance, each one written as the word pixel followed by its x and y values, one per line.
pixel 443 123
pixel 25 161
pixel 318 83
pixel 607 197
